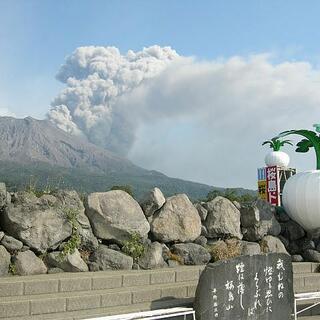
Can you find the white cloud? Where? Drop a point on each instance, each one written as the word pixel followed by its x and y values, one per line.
pixel 5 112
pixel 197 120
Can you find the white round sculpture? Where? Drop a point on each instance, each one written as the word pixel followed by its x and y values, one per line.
pixel 277 158
pixel 301 193
pixel 301 199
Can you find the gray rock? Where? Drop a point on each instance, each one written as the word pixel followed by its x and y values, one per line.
pixel 223 219
pixel 258 220
pixel 27 263
pixel 284 240
pixel 192 254
pixel 5 259
pixel 40 223
pixel 1 235
pixel 311 255
pixel 25 248
pixel 11 244
pixel 237 204
pixel 152 257
pixel 281 215
pixel 305 244
pixel 93 266
pixel 177 220
pixel 202 211
pixel 204 231
pixel 201 240
pixel 69 263
pixel 250 248
pixel 106 259
pixel 135 266
pixel 152 202
pixel 55 270
pixel 173 263
pixel 74 206
pixel 115 215
pixel 297 258
pixel 270 244
pixel 3 195
pixel 114 247
pixel 8 198
pixel 292 231
pixel 293 248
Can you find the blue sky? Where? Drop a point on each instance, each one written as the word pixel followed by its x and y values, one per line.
pixel 37 35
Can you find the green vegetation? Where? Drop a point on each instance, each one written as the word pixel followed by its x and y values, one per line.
pixel 310 140
pixel 12 268
pixel 276 144
pixel 232 195
pixel 74 241
pixel 128 189
pixel 134 247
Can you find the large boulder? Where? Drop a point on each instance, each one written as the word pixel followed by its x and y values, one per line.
pixel 191 253
pixel 71 262
pixel 270 244
pixel 223 219
pixel 105 259
pixel 152 257
pixel 5 259
pixel 258 220
pixel 41 223
pixel 76 213
pixel 152 201
pixel 115 215
pixel 177 220
pixel 292 231
pixel 250 248
pixel 27 263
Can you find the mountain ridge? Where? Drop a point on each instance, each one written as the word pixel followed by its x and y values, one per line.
pixel 31 148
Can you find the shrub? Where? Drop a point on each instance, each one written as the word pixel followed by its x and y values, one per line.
pixel 232 195
pixel 223 250
pixel 134 247
pixel 175 257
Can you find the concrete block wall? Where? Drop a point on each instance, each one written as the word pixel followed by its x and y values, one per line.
pixel 82 295
pixel 91 294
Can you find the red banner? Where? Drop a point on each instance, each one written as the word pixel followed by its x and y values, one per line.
pixel 273 185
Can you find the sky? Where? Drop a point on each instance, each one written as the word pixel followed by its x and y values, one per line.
pixel 239 73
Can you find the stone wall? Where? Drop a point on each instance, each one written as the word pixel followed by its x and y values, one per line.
pixel 60 232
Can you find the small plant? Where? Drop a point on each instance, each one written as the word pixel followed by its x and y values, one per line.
pixel 276 143
pixel 12 268
pixel 71 245
pixel 223 250
pixel 134 247
pixel 74 241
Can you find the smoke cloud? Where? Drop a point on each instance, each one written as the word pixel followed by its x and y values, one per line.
pixel 95 78
pixel 199 120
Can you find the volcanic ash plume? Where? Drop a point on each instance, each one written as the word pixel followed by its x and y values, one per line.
pixel 96 78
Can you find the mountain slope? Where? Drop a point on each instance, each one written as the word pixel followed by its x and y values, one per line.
pixel 37 151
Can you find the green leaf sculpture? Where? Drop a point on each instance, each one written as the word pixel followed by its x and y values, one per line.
pixel 276 143
pixel 311 140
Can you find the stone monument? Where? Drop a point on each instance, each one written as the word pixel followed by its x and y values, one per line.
pixel 258 287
